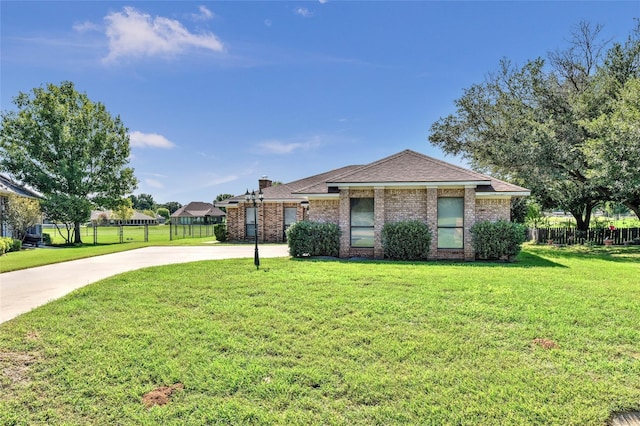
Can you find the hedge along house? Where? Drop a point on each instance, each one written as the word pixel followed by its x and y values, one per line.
pixel 404 186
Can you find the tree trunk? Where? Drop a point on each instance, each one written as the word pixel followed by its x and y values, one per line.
pixel 77 239
pixel 583 217
pixel 634 208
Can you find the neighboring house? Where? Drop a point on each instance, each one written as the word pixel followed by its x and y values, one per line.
pixel 197 213
pixel 361 199
pixel 106 217
pixel 8 187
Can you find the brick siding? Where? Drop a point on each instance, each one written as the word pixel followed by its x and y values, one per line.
pixel 390 205
pixel 270 221
pixel 493 209
pixel 324 211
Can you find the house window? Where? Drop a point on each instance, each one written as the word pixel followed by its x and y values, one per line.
pixel 250 222
pixel 451 223
pixel 290 217
pixel 362 222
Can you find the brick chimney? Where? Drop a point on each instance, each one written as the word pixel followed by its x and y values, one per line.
pixel 263 183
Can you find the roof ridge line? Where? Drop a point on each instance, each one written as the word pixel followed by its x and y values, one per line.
pixel 377 162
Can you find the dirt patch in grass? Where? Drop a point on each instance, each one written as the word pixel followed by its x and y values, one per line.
pixel 33 335
pixel 546 343
pixel 15 366
pixel 160 396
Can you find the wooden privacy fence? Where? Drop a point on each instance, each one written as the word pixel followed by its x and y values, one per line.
pixel 574 236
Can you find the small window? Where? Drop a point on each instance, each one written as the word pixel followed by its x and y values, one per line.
pixel 362 222
pixel 451 223
pixel 290 217
pixel 250 222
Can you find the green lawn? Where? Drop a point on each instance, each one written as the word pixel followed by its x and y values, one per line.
pixel 331 342
pixel 31 257
pixel 156 233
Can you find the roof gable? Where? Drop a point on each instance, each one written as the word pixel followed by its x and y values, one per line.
pixel 198 209
pixel 410 166
pixel 406 168
pixel 288 191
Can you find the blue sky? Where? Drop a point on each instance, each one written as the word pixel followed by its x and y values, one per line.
pixel 217 94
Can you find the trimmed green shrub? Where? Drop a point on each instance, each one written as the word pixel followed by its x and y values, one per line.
pixel 4 245
pixel 220 231
pixel 8 244
pixel 406 240
pixel 501 240
pixel 313 239
pixel 16 245
pixel 46 238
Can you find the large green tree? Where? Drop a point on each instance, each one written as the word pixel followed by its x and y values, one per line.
pixel 143 202
pixel 68 148
pixel 615 147
pixel 532 124
pixel 172 206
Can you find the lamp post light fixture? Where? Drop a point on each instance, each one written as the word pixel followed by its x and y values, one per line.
pixel 252 197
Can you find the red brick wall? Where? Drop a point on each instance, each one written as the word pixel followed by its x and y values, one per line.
pixel 270 221
pixel 235 223
pixel 325 211
pixel 493 209
pixel 405 204
pixel 391 205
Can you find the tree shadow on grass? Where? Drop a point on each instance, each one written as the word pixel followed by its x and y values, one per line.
pixel 524 260
pixel 618 254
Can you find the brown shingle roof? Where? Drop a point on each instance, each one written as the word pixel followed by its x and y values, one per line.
pixel 410 166
pixel 402 168
pixel 108 214
pixel 498 185
pixel 198 209
pixel 288 191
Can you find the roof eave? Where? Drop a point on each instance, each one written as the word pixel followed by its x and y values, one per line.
pixel 495 194
pixel 435 184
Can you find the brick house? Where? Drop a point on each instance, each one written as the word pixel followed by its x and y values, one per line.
pixel 197 213
pixel 361 199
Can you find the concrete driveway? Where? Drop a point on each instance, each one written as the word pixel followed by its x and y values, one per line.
pixel 22 291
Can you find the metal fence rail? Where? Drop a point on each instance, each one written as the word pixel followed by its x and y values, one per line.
pixel 178 231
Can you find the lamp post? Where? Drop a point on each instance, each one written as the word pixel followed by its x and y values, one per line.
pixel 252 197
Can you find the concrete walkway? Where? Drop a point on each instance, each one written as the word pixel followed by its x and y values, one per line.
pixel 22 291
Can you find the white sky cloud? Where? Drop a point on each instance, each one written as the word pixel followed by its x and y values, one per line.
pixel 279 147
pixel 323 1
pixel 85 26
pixel 304 12
pixel 154 183
pixel 152 140
pixel 204 15
pixel 133 33
pixel 220 180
